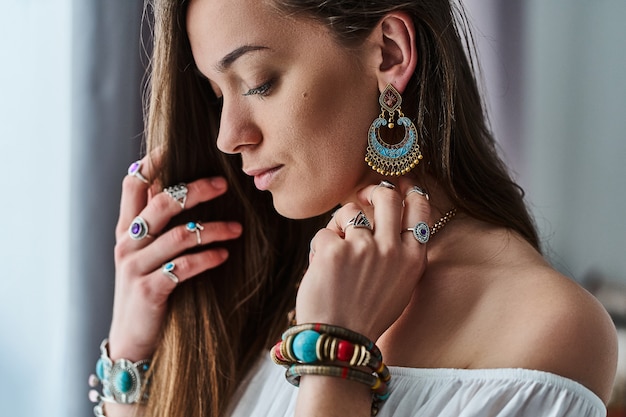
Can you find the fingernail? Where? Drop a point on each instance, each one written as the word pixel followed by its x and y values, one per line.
pixel 235 227
pixel 218 182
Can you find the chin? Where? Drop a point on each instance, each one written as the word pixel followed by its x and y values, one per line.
pixel 298 210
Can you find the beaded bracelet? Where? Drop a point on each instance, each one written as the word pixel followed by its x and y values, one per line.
pixel 310 347
pixel 314 348
pixel 379 389
pixel 336 331
pixel 122 381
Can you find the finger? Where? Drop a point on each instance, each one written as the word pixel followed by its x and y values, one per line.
pixel 416 213
pixel 134 192
pixel 323 239
pixel 387 204
pixel 185 267
pixel 384 184
pixel 183 237
pixel 138 185
pixel 418 190
pixel 163 206
pixel 350 217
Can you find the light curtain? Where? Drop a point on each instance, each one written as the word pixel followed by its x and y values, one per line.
pixel 106 134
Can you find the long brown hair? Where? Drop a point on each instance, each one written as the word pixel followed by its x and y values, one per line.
pixel 219 322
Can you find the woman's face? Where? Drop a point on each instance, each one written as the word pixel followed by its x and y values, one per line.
pixel 296 105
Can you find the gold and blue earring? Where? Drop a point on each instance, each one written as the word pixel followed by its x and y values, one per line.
pixel 382 157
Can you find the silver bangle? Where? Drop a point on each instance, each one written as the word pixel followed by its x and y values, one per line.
pixel 123 381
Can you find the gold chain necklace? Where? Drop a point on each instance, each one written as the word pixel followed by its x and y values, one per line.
pixel 439 224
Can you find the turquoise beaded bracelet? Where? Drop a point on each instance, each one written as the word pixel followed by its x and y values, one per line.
pixel 122 381
pixel 314 349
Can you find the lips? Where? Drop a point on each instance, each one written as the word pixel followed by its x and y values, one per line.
pixel 263 177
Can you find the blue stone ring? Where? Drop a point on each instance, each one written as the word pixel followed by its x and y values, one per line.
pixel 195 227
pixel 168 271
pixel 421 232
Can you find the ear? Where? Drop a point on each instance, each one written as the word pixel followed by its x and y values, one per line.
pixel 396 54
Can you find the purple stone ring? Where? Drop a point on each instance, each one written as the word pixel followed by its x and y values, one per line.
pixel 421 232
pixel 138 229
pixel 135 170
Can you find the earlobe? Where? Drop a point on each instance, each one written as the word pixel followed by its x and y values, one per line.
pixel 396 38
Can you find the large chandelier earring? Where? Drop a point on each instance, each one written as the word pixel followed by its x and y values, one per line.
pixel 382 157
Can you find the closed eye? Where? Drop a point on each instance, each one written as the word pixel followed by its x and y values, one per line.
pixel 262 90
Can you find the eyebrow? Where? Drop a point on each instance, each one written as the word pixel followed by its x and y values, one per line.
pixel 231 57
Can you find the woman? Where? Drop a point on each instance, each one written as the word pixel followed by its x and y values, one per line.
pixel 449 283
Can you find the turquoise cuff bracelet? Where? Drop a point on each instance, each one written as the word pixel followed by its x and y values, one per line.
pixel 122 381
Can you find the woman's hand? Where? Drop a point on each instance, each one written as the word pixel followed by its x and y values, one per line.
pixel 141 288
pixel 362 279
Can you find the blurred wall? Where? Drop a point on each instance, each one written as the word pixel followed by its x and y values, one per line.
pixel 576 132
pixel 35 71
pixel 553 73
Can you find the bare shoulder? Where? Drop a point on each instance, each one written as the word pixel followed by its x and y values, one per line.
pixel 488 299
pixel 555 324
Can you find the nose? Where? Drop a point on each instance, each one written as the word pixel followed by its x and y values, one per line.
pixel 237 129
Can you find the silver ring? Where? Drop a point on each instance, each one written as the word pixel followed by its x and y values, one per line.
pixel 383 183
pixel 178 193
pixel 421 232
pixel 138 229
pixel 168 269
pixel 135 170
pixel 359 222
pixel 418 190
pixel 195 227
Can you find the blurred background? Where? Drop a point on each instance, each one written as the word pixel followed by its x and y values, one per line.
pixel 71 74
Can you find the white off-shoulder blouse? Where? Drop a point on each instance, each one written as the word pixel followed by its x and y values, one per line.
pixel 436 393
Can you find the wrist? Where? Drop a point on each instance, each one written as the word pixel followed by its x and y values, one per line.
pixel 118 349
pixel 123 381
pixel 322 350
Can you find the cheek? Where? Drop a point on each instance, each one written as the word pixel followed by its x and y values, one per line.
pixel 336 114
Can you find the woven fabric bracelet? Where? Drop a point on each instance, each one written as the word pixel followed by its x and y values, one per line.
pixel 122 381
pixel 380 390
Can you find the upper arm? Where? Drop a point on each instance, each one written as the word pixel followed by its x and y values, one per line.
pixel 572 336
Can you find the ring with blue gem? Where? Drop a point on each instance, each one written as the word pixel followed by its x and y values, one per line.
pixel 195 227
pixel 168 271
pixel 421 232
